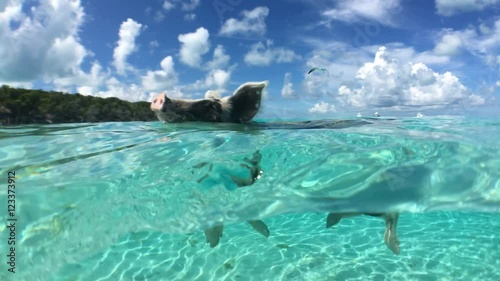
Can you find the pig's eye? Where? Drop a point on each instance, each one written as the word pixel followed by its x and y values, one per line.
pixel 154 101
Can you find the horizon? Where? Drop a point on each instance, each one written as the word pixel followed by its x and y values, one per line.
pixel 394 56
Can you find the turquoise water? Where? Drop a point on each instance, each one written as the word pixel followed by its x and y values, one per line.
pixel 129 201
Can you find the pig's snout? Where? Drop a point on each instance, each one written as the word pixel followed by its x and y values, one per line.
pixel 158 102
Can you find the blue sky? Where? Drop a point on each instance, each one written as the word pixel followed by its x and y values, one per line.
pixel 397 57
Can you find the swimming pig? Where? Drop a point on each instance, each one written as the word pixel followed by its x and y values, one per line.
pixel 241 107
pixel 391 222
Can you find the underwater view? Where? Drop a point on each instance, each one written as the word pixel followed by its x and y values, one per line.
pixel 130 201
pixel 231 140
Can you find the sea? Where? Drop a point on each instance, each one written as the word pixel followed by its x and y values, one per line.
pixel 133 200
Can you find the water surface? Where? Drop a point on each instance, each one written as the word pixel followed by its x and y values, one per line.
pixel 129 200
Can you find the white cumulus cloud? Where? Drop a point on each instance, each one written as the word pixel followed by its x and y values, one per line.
pixel 220 58
pixel 159 16
pixel 154 44
pixel 186 5
pixel 387 82
pixel 190 17
pixel 193 46
pixel 341 63
pixel 26 85
pixel 322 107
pixel 218 73
pixel 189 5
pixel 482 41
pixel 406 53
pixel 261 54
pixel 287 90
pixel 453 7
pixel 163 79
pixel 358 10
pixel 86 83
pixel 252 23
pixel 125 46
pixel 168 5
pixel 449 45
pixel 215 79
pixel 129 92
pixel 43 44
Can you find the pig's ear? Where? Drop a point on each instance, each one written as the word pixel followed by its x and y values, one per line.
pixel 245 102
pixel 166 98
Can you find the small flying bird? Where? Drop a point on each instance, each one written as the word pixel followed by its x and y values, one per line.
pixel 322 69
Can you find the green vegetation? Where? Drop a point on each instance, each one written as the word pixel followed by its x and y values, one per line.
pixel 22 106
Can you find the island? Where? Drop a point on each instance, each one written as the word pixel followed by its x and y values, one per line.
pixel 20 106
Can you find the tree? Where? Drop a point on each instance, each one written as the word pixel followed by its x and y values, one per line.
pixel 22 106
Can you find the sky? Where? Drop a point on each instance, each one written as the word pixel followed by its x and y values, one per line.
pixel 397 57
